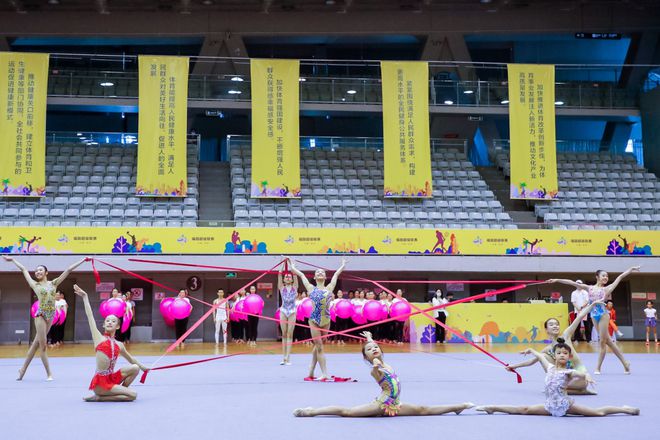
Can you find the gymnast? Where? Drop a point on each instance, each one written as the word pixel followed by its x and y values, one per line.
pixel 388 403
pixel 321 296
pixel 109 385
pixel 577 384
pixel 557 403
pixel 600 315
pixel 46 292
pixel 287 285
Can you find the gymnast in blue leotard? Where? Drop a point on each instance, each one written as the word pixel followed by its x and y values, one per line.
pixel 287 284
pixel 601 292
pixel 319 321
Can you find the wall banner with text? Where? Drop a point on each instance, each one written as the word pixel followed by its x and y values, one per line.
pixel 163 118
pixel 23 91
pixel 275 128
pixel 406 138
pixel 532 126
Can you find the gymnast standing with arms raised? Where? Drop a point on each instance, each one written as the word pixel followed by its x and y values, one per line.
pixel 321 295
pixel 46 292
pixel 601 292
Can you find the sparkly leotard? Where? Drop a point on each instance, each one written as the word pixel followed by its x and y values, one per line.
pixel 107 378
pixel 557 402
pixel 389 398
pixel 597 294
pixel 288 295
pixel 321 312
pixel 46 295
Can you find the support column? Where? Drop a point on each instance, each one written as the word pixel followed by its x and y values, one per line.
pixel 448 47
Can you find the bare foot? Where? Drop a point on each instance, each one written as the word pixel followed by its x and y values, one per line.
pixel 92 398
pixel 466 405
pixel 631 410
pixel 597 372
pixel 485 409
pixel 626 368
pixel 302 412
pixel 49 379
pixel 21 373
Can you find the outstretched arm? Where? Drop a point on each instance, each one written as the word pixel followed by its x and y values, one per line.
pixel 335 277
pixel 22 268
pixel 609 289
pixel 129 357
pixel 569 282
pixel 280 283
pixel 522 364
pixel 539 356
pixel 568 333
pixel 96 334
pixel 66 273
pixel 302 277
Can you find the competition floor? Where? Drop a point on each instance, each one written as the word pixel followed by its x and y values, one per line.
pixel 252 397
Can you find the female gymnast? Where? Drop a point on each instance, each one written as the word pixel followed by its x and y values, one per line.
pixel 109 385
pixel 287 285
pixel 600 316
pixel 557 403
pixel 46 294
pixel 577 384
pixel 321 295
pixel 388 403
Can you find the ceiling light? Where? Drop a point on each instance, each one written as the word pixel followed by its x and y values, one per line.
pixel 207 2
pixel 53 2
pixel 107 84
pixel 78 134
pixel 237 78
pixel 351 92
pixel 234 92
pixel 468 92
pixel 449 102
pixel 559 102
pixel 504 101
pixel 302 80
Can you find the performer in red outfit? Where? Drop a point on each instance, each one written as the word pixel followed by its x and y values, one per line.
pixel 109 385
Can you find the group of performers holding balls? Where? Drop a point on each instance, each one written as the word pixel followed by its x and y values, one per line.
pixel 565 372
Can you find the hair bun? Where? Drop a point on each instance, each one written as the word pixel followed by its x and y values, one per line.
pixel 561 341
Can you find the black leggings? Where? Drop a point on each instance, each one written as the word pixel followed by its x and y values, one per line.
pixel 440 330
pixel 180 327
pixel 252 329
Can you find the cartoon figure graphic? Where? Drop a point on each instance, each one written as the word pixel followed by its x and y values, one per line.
pixel 453 247
pixel 531 244
pixel 264 188
pixel 289 239
pixel 134 242
pixel 284 191
pixel 440 242
pixel 23 241
pixel 523 189
pixel 182 239
pixel 235 238
pixel 5 186
pixel 478 241
pixel 63 239
pixel 27 190
pixel 387 240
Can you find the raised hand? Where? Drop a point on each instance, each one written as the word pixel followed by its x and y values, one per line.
pixel 7 258
pixel 81 293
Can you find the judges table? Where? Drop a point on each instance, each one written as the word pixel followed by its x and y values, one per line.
pixel 491 322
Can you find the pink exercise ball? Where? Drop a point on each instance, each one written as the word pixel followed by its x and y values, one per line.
pixel 126 322
pixel 62 317
pixel 371 310
pixel 102 309
pixel 305 308
pixel 115 306
pixel 358 316
pixel 277 314
pixel 56 317
pixel 400 310
pixel 165 308
pixel 180 309
pixel 254 304
pixel 239 307
pixel 34 309
pixel 384 311
pixel 344 308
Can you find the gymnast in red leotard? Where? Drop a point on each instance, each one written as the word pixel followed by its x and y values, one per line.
pixel 109 385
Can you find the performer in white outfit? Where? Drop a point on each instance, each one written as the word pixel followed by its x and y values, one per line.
pixel 221 317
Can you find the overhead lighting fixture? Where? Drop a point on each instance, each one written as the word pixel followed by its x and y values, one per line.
pixel 234 92
pixel 449 102
pixel 207 2
pixel 504 101
pixel 351 92
pixel 78 134
pixel 468 92
pixel 559 102
pixel 302 80
pixel 343 99
pixel 237 78
pixel 107 84
pixel 53 2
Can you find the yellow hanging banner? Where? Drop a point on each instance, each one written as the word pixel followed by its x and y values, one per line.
pixel 533 152
pixel 406 138
pixel 23 91
pixel 275 128
pixel 163 118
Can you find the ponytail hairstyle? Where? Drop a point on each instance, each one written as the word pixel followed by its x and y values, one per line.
pixel 561 343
